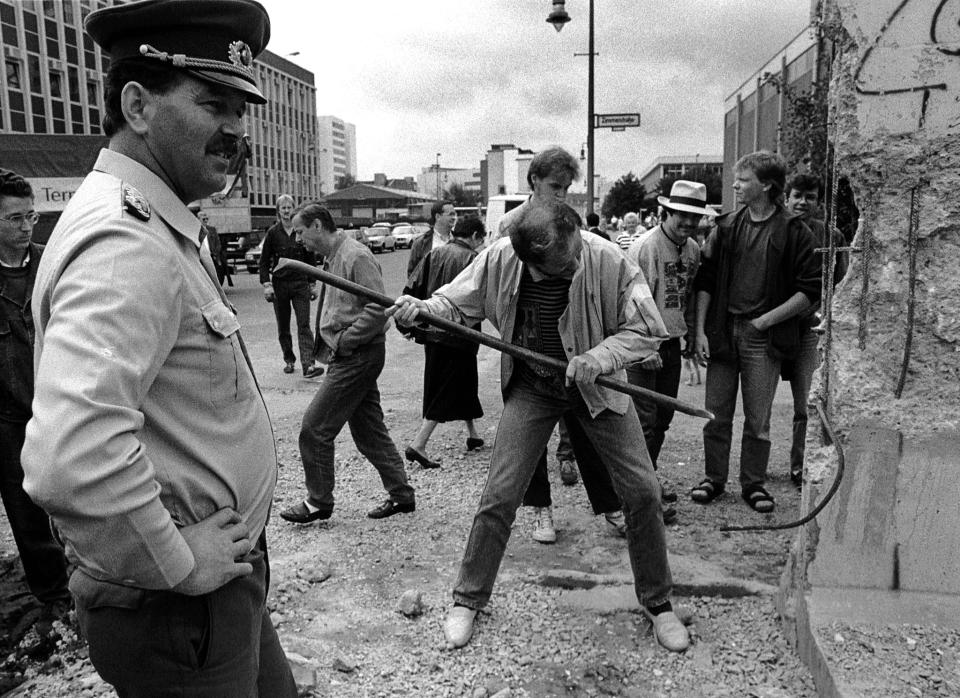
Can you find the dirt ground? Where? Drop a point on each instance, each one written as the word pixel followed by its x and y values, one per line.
pixel 336 584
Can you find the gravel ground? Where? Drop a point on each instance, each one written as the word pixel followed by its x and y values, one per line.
pixel 895 661
pixel 336 585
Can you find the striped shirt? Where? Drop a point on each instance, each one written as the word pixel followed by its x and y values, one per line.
pixel 539 307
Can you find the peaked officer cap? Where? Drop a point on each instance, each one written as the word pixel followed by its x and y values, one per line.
pixel 213 40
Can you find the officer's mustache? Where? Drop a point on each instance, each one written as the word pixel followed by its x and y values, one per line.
pixel 229 146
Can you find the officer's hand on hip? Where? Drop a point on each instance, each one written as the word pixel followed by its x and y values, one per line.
pixel 216 543
pixel 583 369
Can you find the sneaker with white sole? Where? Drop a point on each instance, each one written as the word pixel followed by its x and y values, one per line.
pixel 543 530
pixel 458 627
pixel 669 630
pixel 618 521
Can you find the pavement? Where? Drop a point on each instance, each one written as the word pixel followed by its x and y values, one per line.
pixel 882 555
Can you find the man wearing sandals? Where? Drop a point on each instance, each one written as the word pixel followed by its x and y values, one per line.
pixel 583 302
pixel 758 274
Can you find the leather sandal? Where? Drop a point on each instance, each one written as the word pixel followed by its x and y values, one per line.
pixel 706 491
pixel 758 499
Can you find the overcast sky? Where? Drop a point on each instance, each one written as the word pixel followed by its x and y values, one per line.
pixel 421 77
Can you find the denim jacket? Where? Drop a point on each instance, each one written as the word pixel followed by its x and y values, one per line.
pixel 16 348
pixel 611 314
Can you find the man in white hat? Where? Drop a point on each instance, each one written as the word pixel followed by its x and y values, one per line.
pixel 669 258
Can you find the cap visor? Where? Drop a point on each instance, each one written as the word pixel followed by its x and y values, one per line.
pixel 253 95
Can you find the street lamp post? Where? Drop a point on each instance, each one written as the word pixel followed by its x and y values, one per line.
pixel 558 17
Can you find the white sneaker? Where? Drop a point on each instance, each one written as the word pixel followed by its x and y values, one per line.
pixel 543 531
pixel 618 521
pixel 458 627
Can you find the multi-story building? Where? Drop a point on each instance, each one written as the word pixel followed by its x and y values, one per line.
pixel 434 175
pixel 504 170
pixel 336 150
pixel 52 86
pixel 755 110
pixel 284 132
pixel 677 166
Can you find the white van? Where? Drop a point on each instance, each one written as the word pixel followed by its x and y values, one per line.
pixel 497 208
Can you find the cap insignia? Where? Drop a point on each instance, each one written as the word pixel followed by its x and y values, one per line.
pixel 240 54
pixel 136 203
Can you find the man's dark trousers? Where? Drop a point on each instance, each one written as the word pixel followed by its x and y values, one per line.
pixel 160 643
pixel 41 556
pixel 654 418
pixel 297 295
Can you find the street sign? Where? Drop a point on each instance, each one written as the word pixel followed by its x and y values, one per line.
pixel 617 122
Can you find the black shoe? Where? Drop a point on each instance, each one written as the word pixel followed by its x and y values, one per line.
pixel 669 515
pixel 668 497
pixel 288 367
pixel 390 507
pixel 473 443
pixel 797 479
pixel 414 456
pixel 313 372
pixel 299 514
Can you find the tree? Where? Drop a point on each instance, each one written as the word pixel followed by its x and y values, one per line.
pixel 625 195
pixel 698 173
pixel 344 181
pixel 460 196
pixel 803 127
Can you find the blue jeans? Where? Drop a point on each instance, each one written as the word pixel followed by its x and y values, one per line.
pixel 42 557
pixel 525 426
pixel 655 419
pixel 596 480
pixel 298 296
pixel 349 395
pixel 803 367
pixel 757 375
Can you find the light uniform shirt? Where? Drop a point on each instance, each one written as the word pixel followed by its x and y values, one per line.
pixel 611 314
pixel 669 272
pixel 146 415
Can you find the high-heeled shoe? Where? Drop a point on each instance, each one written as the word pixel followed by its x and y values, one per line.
pixel 473 443
pixel 414 456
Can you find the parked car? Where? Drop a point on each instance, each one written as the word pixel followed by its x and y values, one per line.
pixel 379 239
pixel 252 258
pixel 404 234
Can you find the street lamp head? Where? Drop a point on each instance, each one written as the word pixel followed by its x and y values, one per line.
pixel 558 16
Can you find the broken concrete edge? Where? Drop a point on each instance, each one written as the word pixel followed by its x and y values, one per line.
pixel 725 587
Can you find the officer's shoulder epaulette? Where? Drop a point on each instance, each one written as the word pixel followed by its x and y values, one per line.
pixel 134 202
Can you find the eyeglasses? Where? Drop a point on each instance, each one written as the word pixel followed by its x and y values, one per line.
pixel 22 218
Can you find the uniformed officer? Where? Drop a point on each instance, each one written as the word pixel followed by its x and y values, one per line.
pixel 150 444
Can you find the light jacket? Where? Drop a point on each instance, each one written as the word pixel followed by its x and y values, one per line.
pixel 345 321
pixel 611 314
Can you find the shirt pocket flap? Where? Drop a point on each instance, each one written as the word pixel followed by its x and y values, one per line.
pixel 220 319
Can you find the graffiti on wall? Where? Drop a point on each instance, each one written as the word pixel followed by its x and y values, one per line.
pixel 909 69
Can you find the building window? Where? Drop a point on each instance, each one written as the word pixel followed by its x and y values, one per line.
pixel 8 23
pixel 31 31
pixel 13 74
pixel 92 93
pixel 50 8
pixel 33 66
pixel 56 84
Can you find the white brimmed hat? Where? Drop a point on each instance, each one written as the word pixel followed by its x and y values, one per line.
pixel 690 197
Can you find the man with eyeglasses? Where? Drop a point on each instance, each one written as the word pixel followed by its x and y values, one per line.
pixel 669 258
pixel 43 560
